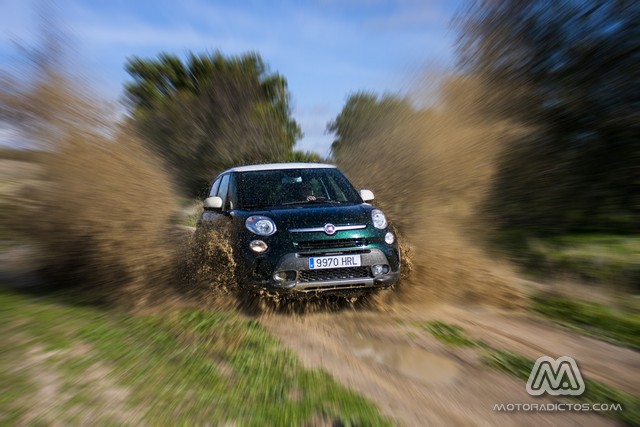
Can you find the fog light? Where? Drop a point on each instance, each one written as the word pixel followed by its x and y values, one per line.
pixel 258 246
pixel 285 276
pixel 379 269
pixel 389 238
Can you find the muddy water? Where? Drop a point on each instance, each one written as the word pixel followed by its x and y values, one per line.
pixel 410 361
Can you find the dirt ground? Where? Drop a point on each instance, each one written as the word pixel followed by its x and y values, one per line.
pixel 417 380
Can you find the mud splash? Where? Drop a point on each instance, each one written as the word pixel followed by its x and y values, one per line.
pixel 431 170
pixel 99 214
pixel 208 269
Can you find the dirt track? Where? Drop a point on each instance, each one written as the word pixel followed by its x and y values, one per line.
pixel 417 380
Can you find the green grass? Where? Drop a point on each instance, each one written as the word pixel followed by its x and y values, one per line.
pixel 188 366
pixel 521 366
pixel 597 320
pixel 605 258
pixel 451 334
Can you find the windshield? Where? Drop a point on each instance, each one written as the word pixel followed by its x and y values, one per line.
pixel 284 187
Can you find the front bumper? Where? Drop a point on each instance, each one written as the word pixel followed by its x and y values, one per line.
pixel 336 280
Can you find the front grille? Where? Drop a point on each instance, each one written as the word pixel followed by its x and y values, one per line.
pixel 326 274
pixel 331 244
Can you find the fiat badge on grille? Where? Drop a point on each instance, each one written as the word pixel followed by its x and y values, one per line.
pixel 329 229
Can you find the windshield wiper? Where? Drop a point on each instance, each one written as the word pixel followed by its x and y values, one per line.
pixel 304 202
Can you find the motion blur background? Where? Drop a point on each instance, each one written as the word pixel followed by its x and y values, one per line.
pixel 526 141
pixel 514 153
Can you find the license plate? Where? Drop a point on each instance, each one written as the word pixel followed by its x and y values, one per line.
pixel 337 261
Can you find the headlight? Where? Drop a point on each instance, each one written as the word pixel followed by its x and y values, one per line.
pixel 260 225
pixel 379 221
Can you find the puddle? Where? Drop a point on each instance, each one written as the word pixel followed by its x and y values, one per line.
pixel 412 362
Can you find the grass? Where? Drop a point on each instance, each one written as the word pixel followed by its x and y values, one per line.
pixel 451 334
pixel 521 366
pixel 187 366
pixel 590 318
pixel 604 258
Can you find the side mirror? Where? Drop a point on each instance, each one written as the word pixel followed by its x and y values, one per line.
pixel 212 203
pixel 366 195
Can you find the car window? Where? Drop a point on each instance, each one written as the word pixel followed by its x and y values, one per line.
pixel 289 186
pixel 317 186
pixel 222 192
pixel 334 189
pixel 214 188
pixel 232 193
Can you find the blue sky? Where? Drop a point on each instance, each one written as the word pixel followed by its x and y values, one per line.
pixel 327 49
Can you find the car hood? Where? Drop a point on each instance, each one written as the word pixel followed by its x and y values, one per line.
pixel 317 216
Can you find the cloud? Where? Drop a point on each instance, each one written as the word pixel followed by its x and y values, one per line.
pixel 143 35
pixel 409 14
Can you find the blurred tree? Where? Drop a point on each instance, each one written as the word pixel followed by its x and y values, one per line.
pixel 571 71
pixel 211 112
pixel 362 117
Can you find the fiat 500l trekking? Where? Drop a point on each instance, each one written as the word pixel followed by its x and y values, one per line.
pixel 302 228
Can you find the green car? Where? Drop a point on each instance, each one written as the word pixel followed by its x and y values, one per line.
pixel 302 229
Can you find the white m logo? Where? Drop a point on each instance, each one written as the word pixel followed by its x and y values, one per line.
pixel 555 377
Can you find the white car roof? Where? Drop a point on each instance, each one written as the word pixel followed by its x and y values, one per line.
pixel 276 166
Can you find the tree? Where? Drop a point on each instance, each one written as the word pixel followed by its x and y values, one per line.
pixel 571 71
pixel 211 112
pixel 362 117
